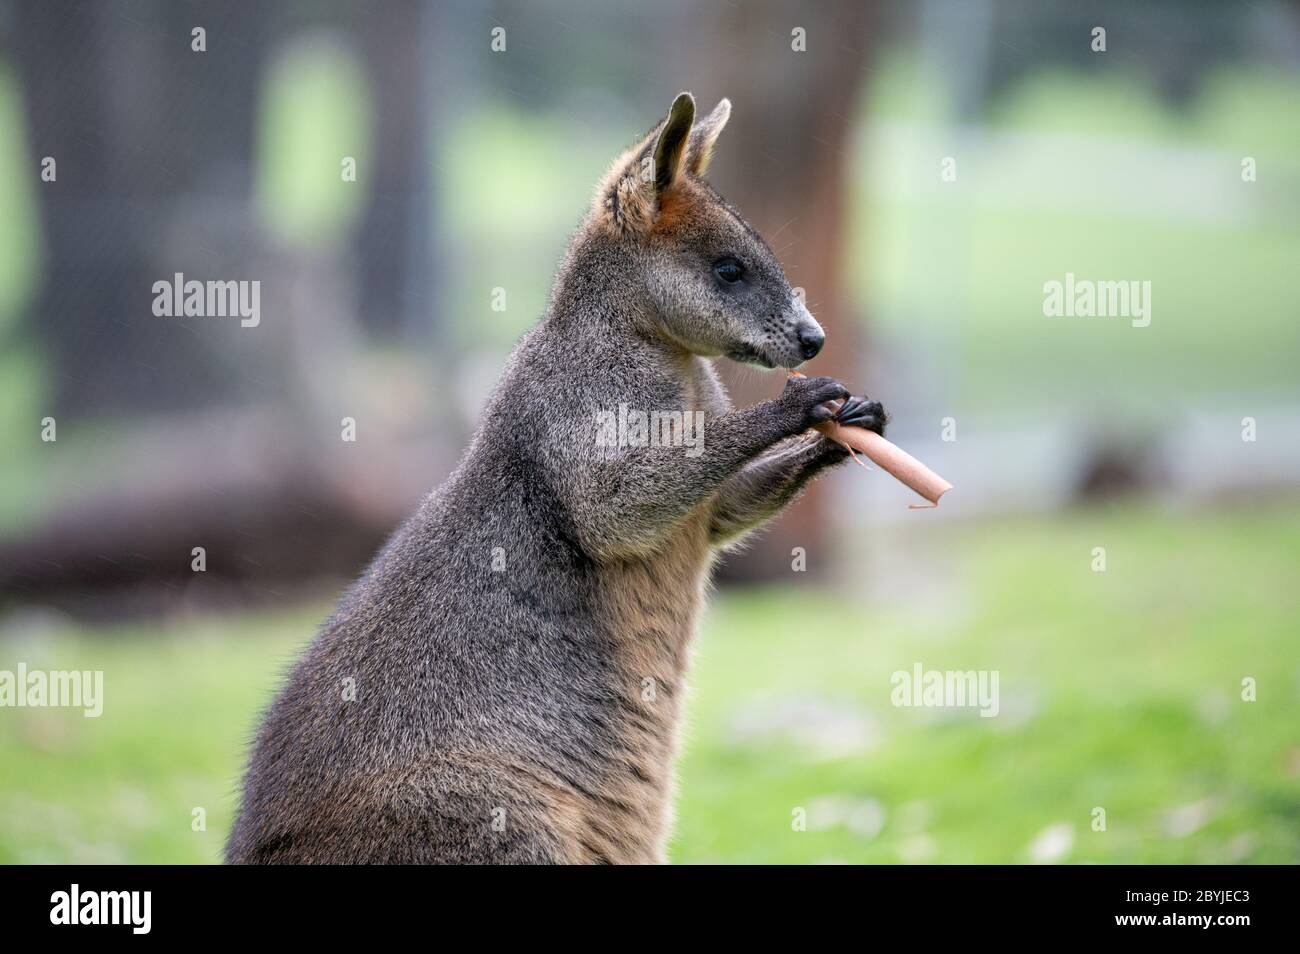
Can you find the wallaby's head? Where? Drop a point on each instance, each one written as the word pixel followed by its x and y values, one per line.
pixel 713 285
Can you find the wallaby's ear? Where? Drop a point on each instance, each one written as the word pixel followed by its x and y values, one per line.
pixel 627 199
pixel 704 135
pixel 670 150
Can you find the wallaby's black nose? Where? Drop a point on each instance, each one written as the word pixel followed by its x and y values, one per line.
pixel 811 339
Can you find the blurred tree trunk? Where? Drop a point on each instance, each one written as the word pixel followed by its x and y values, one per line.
pixel 395 244
pixel 783 161
pixel 136 121
pixel 217 438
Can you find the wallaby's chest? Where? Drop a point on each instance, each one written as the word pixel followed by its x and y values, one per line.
pixel 703 391
pixel 655 601
pixel 650 609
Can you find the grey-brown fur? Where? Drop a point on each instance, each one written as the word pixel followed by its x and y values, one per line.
pixel 530 714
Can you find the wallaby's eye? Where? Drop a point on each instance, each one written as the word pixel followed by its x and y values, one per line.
pixel 729 270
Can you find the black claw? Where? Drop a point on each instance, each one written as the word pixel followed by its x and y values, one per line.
pixel 851 407
pixel 863 412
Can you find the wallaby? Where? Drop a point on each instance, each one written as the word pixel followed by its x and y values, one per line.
pixel 505 682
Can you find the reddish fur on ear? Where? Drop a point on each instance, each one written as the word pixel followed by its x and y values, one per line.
pixel 676 207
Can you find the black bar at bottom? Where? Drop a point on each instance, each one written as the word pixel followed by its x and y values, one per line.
pixel 212 904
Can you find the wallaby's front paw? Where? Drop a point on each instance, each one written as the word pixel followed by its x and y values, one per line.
pixel 806 400
pixel 863 412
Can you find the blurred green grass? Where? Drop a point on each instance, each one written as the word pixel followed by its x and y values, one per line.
pixel 1119 690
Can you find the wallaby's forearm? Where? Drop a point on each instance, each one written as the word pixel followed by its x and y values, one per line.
pixel 768 484
pixel 630 503
pixel 627 505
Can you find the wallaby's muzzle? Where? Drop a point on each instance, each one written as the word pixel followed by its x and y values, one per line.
pixel 808 335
